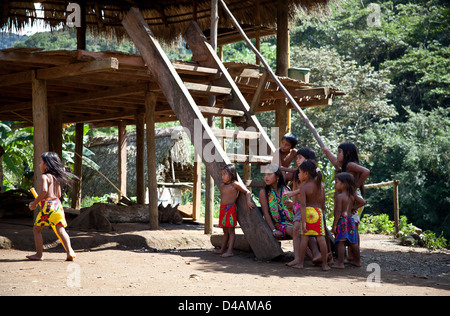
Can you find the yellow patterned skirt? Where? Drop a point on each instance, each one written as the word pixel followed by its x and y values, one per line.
pixel 51 214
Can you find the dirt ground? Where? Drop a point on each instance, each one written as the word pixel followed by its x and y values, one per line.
pixel 178 260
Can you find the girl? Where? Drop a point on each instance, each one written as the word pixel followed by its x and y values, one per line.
pixel 277 207
pixel 344 227
pixel 309 216
pixel 52 212
pixel 229 191
pixel 347 160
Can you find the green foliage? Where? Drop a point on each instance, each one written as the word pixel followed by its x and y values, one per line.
pixel 432 242
pixel 416 153
pixel 411 45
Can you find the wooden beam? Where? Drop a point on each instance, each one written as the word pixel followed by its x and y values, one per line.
pixel 140 158
pixel 58 72
pixel 150 104
pixel 77 170
pixel 40 123
pixel 77 69
pixel 122 152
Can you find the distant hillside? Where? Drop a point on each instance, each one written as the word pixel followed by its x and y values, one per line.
pixel 8 40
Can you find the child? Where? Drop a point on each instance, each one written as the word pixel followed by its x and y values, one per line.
pixel 286 153
pixel 347 160
pixel 229 191
pixel 309 215
pixel 344 227
pixel 52 212
pixel 277 208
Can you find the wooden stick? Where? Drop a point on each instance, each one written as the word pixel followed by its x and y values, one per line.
pixel 272 74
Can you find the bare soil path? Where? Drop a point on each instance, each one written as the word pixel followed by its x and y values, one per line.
pixel 178 260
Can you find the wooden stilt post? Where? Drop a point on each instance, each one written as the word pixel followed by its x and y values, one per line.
pixel 77 170
pixel 140 158
pixel 122 146
pixel 197 194
pixel 40 123
pixel 396 206
pixel 209 193
pixel 150 105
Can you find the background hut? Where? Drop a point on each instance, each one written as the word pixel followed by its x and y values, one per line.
pixel 174 165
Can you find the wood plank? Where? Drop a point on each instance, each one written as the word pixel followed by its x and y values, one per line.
pixel 239 158
pixel 235 134
pixel 259 92
pixel 220 111
pixel 78 69
pixel 196 70
pixel 204 89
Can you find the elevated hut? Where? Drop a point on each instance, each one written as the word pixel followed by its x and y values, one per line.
pixel 48 89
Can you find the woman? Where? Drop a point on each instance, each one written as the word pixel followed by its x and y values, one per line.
pixel 278 208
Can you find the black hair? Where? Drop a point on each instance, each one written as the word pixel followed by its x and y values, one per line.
pixel 349 181
pixel 310 166
pixel 56 168
pixel 350 153
pixel 291 138
pixel 307 153
pixel 280 184
pixel 231 169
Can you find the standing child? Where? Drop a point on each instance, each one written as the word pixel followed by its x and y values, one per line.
pixel 52 212
pixel 344 227
pixel 348 161
pixel 310 213
pixel 229 191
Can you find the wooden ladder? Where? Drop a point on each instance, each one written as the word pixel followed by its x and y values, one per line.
pixel 204 139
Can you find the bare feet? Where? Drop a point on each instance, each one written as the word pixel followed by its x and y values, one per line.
pixel 338 266
pixel 35 257
pixel 325 267
pixel 356 263
pixel 297 266
pixel 227 255
pixel 293 263
pixel 71 256
pixel 218 251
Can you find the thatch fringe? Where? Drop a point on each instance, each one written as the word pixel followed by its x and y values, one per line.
pixel 166 18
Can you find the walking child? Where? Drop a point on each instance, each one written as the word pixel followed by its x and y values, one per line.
pixel 51 210
pixel 229 192
pixel 309 214
pixel 344 226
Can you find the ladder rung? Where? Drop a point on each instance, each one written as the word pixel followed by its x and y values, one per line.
pixel 196 70
pixel 220 111
pixel 239 158
pixel 236 134
pixel 207 89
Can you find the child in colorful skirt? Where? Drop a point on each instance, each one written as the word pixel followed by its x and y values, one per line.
pixel 309 216
pixel 229 192
pixel 51 210
pixel 344 226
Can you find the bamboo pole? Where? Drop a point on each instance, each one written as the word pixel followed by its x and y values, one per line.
pixel 272 74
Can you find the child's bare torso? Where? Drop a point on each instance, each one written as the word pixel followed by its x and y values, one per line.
pixel 228 194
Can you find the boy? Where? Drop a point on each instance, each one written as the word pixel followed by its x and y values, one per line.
pixel 286 154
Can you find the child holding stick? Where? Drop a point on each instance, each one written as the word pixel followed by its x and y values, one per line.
pixel 229 192
pixel 344 227
pixel 51 210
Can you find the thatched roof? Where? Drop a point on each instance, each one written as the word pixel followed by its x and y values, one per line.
pixel 166 18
